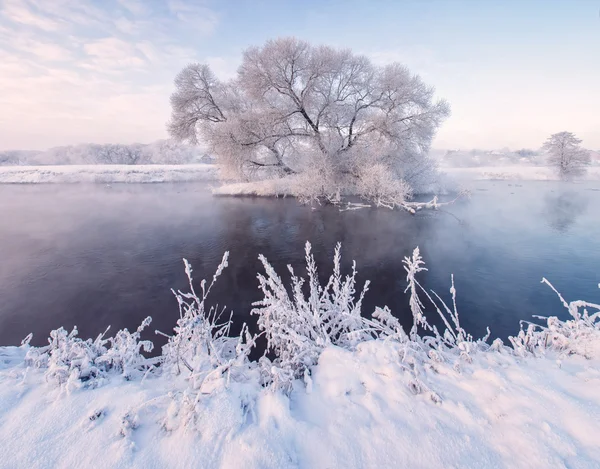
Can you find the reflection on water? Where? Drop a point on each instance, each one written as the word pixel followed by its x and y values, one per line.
pixel 563 208
pixel 92 255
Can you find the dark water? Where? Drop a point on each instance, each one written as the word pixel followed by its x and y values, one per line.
pixel 92 255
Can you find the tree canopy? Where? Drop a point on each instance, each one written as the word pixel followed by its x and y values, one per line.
pixel 566 154
pixel 328 115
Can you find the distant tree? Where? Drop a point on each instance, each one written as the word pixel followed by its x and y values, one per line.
pixel 115 154
pixel 159 152
pixel 526 153
pixel 9 158
pixel 320 112
pixel 171 152
pixel 566 155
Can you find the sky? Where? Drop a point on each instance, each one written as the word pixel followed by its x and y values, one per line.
pixel 75 71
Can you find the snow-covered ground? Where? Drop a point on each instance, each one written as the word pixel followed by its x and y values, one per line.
pixel 107 173
pixel 499 411
pixel 451 179
pixel 272 187
pixel 437 401
pixel 515 172
pixel 278 187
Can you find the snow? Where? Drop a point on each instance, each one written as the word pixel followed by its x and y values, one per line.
pixel 392 400
pixel 514 172
pixel 280 187
pixel 107 173
pixel 498 411
pixel 450 179
pixel 291 186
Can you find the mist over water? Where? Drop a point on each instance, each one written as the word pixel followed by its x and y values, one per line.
pixel 95 255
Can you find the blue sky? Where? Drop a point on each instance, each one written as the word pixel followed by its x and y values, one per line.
pixel 75 71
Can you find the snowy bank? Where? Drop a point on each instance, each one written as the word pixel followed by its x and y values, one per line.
pixel 107 173
pixel 363 392
pixel 514 173
pixel 450 180
pixel 288 186
pixel 279 187
pixel 498 411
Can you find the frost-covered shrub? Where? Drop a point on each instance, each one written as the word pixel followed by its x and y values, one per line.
pixel 381 186
pixel 70 358
pixel 425 346
pixel 316 185
pixel 454 336
pixel 201 342
pixel 202 350
pixel 567 337
pixel 124 354
pixel 300 323
pixel 298 326
pixel 77 362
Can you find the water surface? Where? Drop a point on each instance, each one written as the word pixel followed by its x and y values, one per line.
pixel 94 255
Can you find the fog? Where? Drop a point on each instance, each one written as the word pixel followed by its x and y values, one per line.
pixel 96 255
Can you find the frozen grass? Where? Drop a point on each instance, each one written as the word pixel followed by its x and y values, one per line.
pixel 107 173
pixel 340 389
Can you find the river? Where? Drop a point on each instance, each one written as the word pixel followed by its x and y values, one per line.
pixel 96 255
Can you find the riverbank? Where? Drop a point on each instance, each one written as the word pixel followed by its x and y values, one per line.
pixel 157 173
pixel 514 173
pixel 450 180
pixel 106 174
pixel 360 412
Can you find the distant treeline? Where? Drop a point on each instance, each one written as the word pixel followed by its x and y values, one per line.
pixel 505 156
pixel 159 152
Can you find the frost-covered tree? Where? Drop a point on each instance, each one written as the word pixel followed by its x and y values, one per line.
pixel 116 154
pixel 93 153
pixel 326 115
pixel 526 153
pixel 566 155
pixel 171 152
pixel 16 157
pixel 159 152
